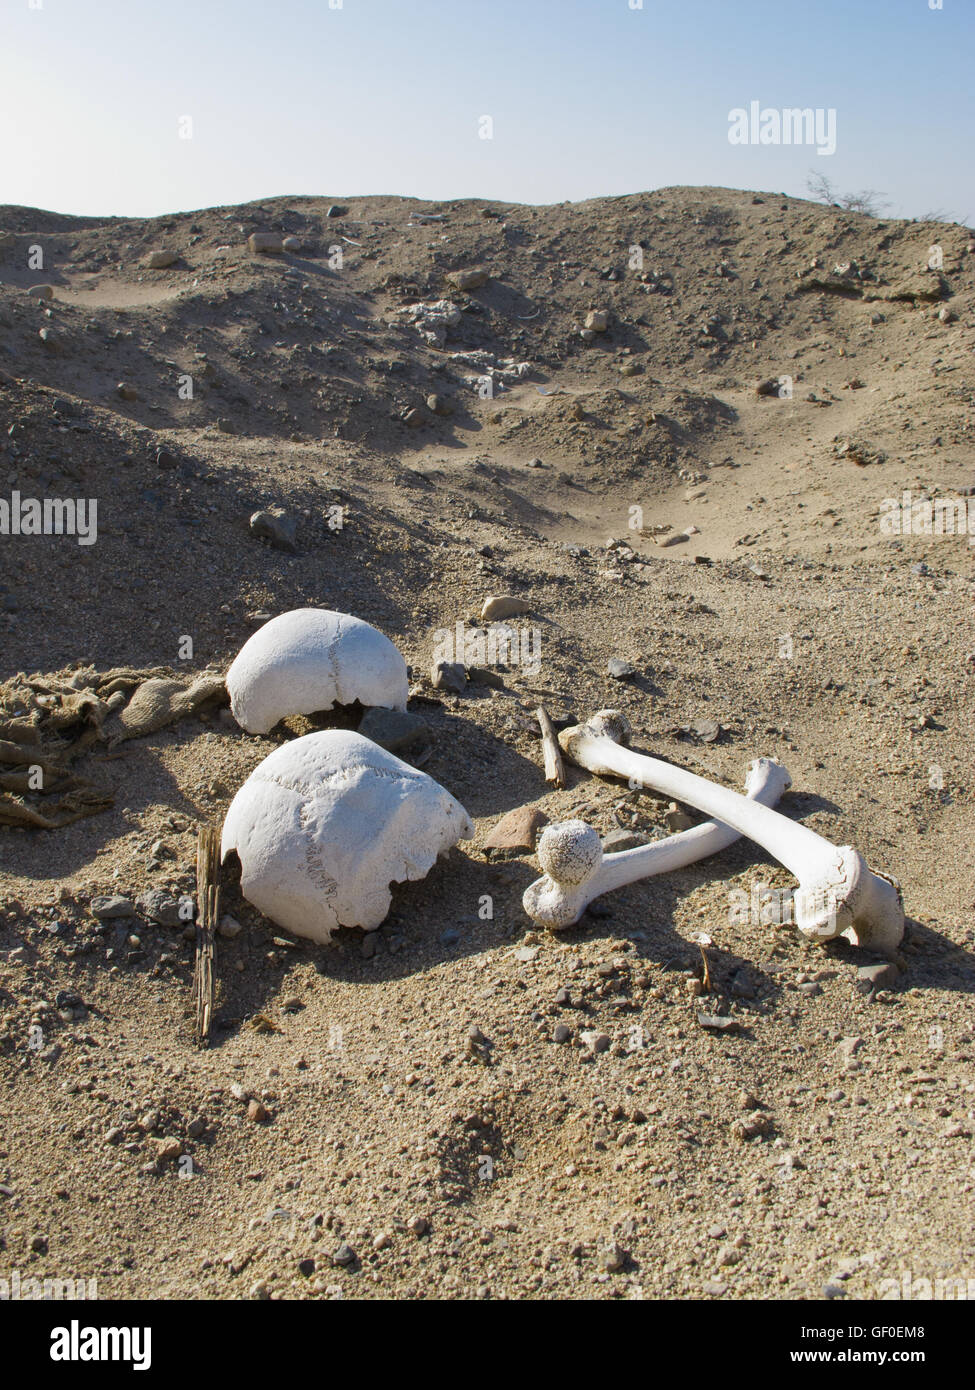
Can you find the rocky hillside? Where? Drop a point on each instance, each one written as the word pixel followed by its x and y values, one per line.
pixel 674 425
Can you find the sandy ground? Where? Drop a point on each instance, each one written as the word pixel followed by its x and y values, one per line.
pixel 822 1146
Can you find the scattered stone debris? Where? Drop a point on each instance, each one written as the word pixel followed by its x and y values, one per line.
pixel 859 452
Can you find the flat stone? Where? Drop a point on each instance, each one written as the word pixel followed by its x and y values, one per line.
pixel 160 260
pixel 718 1023
pixel 106 906
pixel 449 675
pixel 41 291
pixel 619 840
pixel 621 670
pixel 517 830
pixel 499 606
pixel 597 320
pixel 393 729
pixel 160 907
pixel 291 244
pixel 467 279
pixel 276 526
pixel 880 975
pixel 265 243
pixel 483 675
pixel 707 730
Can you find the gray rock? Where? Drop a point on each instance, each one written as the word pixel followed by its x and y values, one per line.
pixel 483 675
pixel 707 730
pixel 561 1033
pixel 276 526
pixel 393 729
pixel 613 1257
pixel 467 279
pixel 160 907
pixel 229 927
pixel 880 975
pixel 449 675
pixel 718 1023
pixel 618 840
pixel 676 819
pixel 336 211
pixel 265 243
pixel 113 905
pixel 621 670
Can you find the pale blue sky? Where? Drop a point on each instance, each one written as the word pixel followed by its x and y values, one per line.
pixel 587 98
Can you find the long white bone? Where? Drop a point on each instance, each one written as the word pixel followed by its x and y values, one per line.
pixel 577 871
pixel 311 659
pixel 326 822
pixel 838 895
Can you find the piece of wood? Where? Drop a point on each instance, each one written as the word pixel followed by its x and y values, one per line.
pixel 554 766
pixel 207 916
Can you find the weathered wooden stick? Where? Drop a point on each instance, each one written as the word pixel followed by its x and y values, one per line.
pixel 208 903
pixel 554 766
